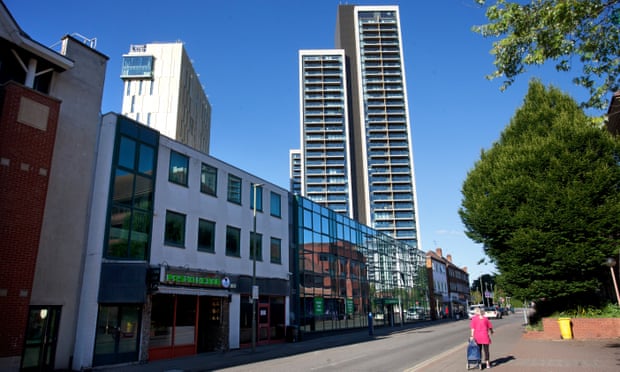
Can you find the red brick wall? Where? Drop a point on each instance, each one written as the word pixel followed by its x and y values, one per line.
pixel 582 329
pixel 25 161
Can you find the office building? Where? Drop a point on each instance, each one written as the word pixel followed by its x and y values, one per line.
pixel 357 156
pixel 170 266
pixel 163 91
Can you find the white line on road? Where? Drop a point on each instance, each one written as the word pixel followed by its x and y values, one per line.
pixel 435 358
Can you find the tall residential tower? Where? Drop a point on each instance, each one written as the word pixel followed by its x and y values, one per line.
pixel 363 121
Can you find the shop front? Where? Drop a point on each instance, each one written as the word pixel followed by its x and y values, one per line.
pixel 189 314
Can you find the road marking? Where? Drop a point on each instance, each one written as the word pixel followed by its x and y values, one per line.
pixel 435 358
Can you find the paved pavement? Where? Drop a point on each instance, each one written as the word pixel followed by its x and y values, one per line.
pixel 509 352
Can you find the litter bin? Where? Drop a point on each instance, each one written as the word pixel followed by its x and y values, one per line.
pixel 565 330
pixel 292 333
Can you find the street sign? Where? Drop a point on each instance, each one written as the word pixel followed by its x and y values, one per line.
pixel 255 292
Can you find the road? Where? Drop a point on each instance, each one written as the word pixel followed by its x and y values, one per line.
pixel 411 349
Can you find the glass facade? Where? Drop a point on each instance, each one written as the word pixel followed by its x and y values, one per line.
pixel 346 270
pixel 137 67
pixel 132 190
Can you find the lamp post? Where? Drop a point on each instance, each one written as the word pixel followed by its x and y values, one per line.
pixel 611 263
pixel 254 288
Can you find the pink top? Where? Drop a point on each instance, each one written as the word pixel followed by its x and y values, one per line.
pixel 481 325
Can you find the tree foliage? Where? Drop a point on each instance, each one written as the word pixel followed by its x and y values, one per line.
pixel 545 201
pixel 557 30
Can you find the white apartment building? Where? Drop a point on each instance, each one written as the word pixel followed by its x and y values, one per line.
pixel 163 91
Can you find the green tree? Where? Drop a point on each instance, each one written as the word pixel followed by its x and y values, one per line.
pixel 557 30
pixel 544 202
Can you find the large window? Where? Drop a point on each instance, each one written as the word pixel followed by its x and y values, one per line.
pixel 179 167
pixel 206 236
pixel 175 229
pixel 276 251
pixel 256 242
pixel 276 205
pixel 258 197
pixel 233 241
pixel 131 204
pixel 234 189
pixel 208 180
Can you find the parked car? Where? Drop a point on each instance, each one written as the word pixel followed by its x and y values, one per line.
pixel 471 313
pixel 492 312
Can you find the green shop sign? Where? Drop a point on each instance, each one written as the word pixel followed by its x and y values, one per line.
pixel 350 307
pixel 196 280
pixel 319 307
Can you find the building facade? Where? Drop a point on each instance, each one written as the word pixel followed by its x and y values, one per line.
pixel 325 141
pixel 49 116
pixel 169 268
pixel 344 270
pixel 295 171
pixel 163 91
pixel 357 156
pixel 449 284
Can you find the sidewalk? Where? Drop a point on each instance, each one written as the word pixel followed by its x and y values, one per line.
pixel 509 352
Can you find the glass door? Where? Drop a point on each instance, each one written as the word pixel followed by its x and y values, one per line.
pixel 117 335
pixel 40 340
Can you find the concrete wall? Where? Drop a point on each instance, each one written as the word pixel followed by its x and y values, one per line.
pixel 63 236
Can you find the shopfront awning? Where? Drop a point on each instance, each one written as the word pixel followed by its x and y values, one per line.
pixel 192 291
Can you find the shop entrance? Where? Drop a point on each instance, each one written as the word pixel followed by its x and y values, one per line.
pixel 210 336
pixel 41 335
pixel 116 340
pixel 263 322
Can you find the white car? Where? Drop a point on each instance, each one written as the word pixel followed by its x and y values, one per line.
pixel 491 312
pixel 471 313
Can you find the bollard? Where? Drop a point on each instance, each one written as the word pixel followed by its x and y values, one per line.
pixel 370 329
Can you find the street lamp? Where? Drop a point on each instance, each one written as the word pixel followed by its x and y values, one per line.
pixel 611 263
pixel 254 287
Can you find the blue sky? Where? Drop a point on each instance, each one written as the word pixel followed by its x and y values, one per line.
pixel 246 55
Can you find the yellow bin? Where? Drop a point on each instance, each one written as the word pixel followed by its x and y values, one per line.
pixel 565 329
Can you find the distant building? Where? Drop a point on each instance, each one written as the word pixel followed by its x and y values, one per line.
pixel 49 121
pixel 163 91
pixel 295 171
pixel 449 286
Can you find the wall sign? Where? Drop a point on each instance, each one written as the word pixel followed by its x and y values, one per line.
pixel 196 279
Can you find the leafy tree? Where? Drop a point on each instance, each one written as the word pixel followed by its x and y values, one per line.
pixel 544 201
pixel 557 30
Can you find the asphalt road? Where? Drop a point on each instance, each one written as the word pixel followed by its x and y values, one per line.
pixel 408 350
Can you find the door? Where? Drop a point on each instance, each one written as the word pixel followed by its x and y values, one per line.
pixel 40 338
pixel 264 331
pixel 118 330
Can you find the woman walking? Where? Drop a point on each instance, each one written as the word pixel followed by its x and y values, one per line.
pixel 481 330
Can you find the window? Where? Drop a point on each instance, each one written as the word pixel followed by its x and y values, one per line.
pixel 175 229
pixel 208 180
pixel 233 245
pixel 179 165
pixel 140 87
pixel 133 103
pixel 275 249
pixel 206 236
pixel 276 205
pixel 128 87
pixel 256 240
pixel 131 193
pixel 259 196
pixel 234 189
